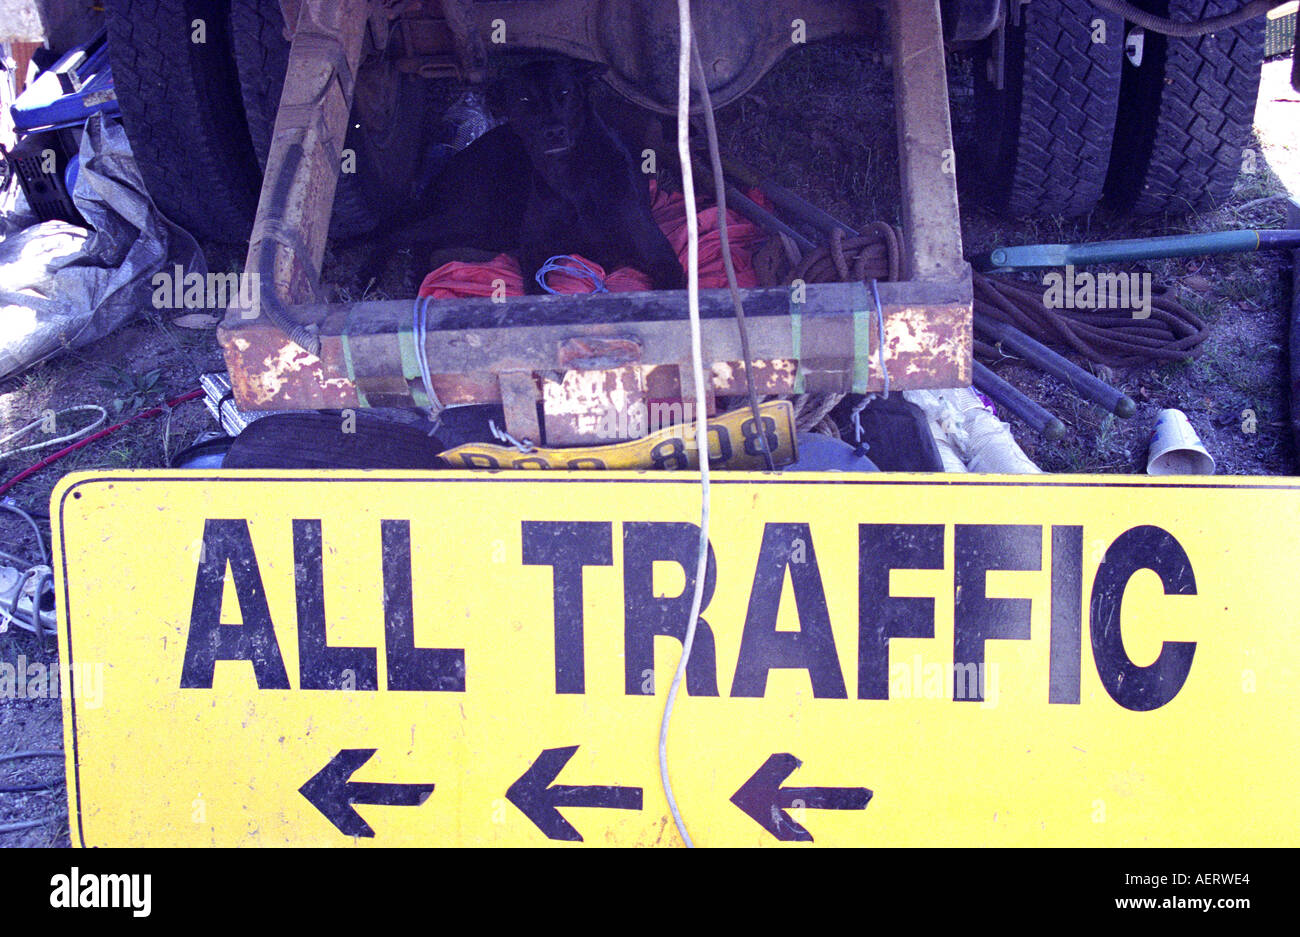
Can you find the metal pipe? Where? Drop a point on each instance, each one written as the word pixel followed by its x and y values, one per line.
pixel 1004 395
pixel 756 212
pixel 764 218
pixel 1079 380
pixel 784 199
pixel 1030 256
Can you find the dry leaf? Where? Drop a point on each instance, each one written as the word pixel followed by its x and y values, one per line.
pixel 197 320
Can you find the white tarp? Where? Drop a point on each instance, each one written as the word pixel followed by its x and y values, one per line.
pixel 63 287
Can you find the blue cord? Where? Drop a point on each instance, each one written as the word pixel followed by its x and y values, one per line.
pixel 582 271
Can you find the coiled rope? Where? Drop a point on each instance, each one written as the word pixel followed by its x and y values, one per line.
pixel 1110 337
pixel 877 254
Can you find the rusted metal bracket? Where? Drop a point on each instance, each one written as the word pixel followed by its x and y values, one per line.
pixel 293 212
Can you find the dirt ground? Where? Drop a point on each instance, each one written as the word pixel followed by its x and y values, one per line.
pixel 820 124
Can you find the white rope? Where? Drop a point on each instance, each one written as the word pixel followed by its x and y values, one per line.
pixel 523 445
pixel 701 417
pixel 855 415
pixel 84 431
pixel 420 330
pixel 880 321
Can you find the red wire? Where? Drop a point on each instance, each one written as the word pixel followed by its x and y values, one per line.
pixel 51 459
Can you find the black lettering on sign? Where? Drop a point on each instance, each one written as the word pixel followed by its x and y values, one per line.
pixel 320 666
pixel 1139 688
pixel 977 618
pixel 882 547
pixel 568 546
pixel 645 615
pixel 1067 615
pixel 812 647
pixel 227 542
pixel 411 667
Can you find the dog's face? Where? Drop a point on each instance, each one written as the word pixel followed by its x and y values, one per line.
pixel 545 104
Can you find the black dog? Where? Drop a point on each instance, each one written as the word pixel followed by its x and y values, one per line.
pixel 553 179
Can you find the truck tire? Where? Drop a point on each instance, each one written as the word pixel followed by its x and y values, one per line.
pixel 388 146
pixel 1186 113
pixel 1052 123
pixel 182 113
pixel 200 116
pixel 261 59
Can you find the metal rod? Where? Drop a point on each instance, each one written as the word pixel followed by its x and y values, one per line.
pixel 1081 382
pixel 1004 395
pixel 764 218
pixel 754 211
pixel 784 199
pixel 1030 256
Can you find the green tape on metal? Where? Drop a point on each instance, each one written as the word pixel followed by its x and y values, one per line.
pixel 863 315
pixel 796 342
pixel 346 342
pixel 411 367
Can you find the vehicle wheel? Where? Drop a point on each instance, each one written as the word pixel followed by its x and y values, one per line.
pixel 182 114
pixel 1186 112
pixel 391 117
pixel 200 115
pixel 1050 127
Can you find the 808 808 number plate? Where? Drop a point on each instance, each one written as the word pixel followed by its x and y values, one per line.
pixel 733 444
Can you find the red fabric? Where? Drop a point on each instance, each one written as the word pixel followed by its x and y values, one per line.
pixel 459 279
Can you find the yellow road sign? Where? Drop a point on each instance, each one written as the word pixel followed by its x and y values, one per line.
pixel 474 659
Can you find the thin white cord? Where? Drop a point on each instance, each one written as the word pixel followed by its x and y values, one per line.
pixel 84 431
pixel 701 417
pixel 880 324
pixel 420 331
pixel 523 445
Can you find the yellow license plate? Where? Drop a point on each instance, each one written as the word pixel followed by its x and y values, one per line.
pixel 733 444
pixel 458 658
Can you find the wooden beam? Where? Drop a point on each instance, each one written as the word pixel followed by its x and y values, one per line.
pixel 926 160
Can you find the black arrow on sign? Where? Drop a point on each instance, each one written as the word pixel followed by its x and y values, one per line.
pixel 764 800
pixel 330 792
pixel 537 797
